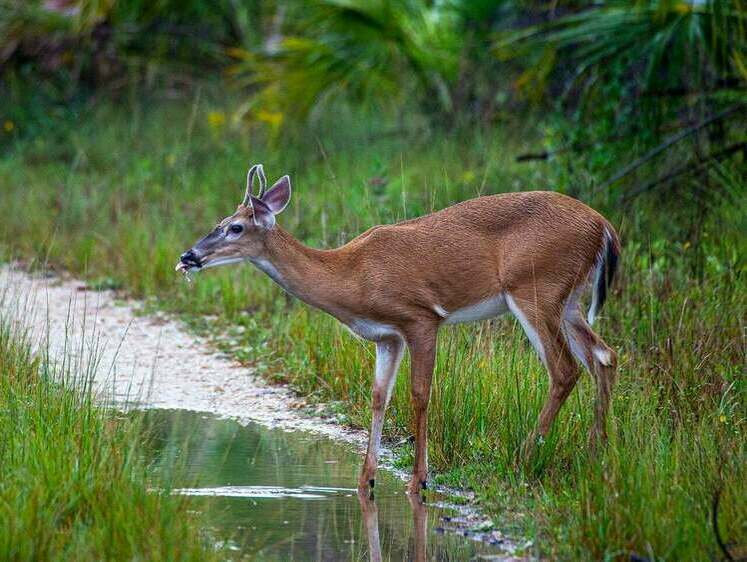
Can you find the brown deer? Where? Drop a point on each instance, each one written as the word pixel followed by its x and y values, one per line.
pixel 529 253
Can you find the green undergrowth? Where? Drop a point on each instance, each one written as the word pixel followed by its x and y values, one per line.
pixel 73 482
pixel 120 195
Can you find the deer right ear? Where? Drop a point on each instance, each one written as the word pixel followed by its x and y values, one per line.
pixel 278 196
pixel 262 214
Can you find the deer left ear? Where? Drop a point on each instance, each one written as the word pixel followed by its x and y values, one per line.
pixel 262 214
pixel 278 196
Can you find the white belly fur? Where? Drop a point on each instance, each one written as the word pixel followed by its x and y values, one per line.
pixel 372 331
pixel 488 308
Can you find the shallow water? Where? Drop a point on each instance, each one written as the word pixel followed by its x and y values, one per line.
pixel 278 495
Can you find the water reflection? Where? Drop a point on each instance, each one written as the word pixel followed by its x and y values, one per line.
pixel 370 515
pixel 275 495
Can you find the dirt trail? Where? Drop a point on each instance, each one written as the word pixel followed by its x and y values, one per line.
pixel 150 360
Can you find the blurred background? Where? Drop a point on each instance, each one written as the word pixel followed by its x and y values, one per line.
pixel 127 128
pixel 599 81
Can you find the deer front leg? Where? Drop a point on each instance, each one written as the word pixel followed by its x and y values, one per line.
pixel 423 355
pixel 388 357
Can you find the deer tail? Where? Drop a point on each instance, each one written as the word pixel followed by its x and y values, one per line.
pixel 603 271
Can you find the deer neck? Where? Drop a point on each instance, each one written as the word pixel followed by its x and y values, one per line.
pixel 307 273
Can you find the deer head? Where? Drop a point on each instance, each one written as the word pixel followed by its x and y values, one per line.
pixel 242 235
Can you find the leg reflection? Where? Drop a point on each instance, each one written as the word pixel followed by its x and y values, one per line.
pixel 370 515
pixel 420 522
pixel 371 519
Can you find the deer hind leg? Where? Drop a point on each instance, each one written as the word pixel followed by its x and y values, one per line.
pixel 423 358
pixel 545 333
pixel 598 358
pixel 388 357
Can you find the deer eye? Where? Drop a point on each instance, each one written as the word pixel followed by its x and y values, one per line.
pixel 235 228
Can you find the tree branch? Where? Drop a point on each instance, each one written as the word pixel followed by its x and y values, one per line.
pixel 654 152
pixel 698 166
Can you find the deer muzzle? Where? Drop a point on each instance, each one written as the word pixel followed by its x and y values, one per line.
pixel 189 260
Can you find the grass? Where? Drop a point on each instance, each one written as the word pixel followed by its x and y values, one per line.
pixel 118 195
pixel 73 482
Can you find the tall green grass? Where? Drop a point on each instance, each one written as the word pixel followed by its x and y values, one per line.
pixel 73 481
pixel 119 195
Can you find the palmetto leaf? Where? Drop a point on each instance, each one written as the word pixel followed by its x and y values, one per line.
pixel 369 50
pixel 663 45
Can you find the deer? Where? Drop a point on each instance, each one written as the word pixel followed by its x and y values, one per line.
pixel 533 254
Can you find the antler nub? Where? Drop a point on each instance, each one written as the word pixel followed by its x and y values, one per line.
pixel 262 181
pixel 254 171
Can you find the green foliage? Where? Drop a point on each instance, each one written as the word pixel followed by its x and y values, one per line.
pixel 662 78
pixel 377 51
pixel 661 50
pixel 73 484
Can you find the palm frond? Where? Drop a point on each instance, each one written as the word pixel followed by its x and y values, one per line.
pixel 663 46
pixel 365 50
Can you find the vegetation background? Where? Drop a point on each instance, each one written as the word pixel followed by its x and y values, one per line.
pixel 128 127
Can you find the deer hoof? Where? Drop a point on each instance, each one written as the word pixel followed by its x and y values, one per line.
pixel 415 486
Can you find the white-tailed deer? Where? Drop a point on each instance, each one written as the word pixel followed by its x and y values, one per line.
pixel 529 253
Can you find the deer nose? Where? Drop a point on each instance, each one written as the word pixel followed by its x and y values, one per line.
pixel 190 258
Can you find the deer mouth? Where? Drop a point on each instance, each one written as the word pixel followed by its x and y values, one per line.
pixel 188 261
pixel 185 267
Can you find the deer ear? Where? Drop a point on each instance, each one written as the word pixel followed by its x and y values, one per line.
pixel 278 196
pixel 262 215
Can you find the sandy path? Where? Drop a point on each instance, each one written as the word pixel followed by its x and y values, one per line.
pixel 151 360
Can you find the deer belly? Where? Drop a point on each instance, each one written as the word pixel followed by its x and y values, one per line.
pixel 488 308
pixel 372 330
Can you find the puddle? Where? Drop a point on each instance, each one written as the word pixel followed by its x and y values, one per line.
pixel 271 494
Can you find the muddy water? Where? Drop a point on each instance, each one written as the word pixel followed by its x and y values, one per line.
pixel 278 495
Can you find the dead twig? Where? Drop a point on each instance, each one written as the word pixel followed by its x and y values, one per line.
pixel 654 152
pixel 697 167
